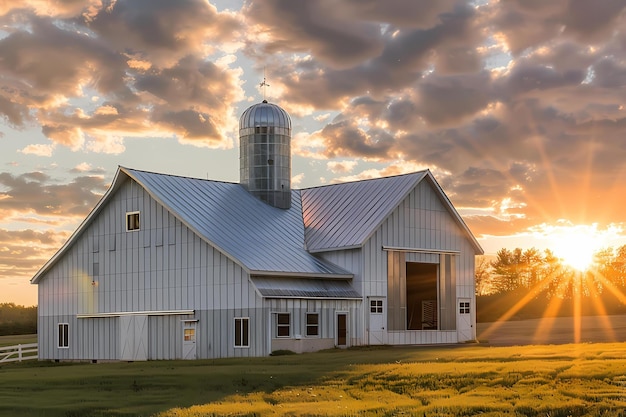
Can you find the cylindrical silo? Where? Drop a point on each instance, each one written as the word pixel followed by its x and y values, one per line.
pixel 265 153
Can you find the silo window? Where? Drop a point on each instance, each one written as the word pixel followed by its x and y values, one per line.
pixel 132 221
pixel 264 129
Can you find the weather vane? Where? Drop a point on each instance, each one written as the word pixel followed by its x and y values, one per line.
pixel 264 84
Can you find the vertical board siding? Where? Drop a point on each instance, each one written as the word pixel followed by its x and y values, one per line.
pixel 184 272
pixel 420 221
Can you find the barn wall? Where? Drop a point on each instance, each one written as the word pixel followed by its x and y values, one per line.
pixel 327 309
pixel 421 221
pixel 162 266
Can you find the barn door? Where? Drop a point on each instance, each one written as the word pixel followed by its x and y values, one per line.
pixel 133 338
pixel 189 340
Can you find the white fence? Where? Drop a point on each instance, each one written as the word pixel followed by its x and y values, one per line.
pixel 18 353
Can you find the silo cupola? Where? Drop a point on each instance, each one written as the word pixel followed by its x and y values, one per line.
pixel 265 153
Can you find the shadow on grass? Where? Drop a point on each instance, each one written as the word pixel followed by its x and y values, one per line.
pixel 376 381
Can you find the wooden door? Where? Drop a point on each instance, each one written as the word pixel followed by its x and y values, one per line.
pixel 342 329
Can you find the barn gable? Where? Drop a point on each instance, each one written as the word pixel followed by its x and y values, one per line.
pixel 344 216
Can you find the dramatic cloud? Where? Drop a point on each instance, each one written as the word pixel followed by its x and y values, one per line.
pixel 516 106
pixel 23 252
pixel 156 66
pixel 36 193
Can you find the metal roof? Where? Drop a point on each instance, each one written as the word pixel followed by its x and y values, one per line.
pixel 262 238
pixel 304 288
pixel 343 216
pixel 264 114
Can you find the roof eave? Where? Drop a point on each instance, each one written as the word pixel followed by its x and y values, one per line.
pixel 337 248
pixel 308 275
pixel 303 297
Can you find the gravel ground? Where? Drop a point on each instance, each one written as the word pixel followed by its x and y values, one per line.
pixel 554 331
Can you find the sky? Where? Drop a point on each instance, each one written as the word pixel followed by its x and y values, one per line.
pixel 516 106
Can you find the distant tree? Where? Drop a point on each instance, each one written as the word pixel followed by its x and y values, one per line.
pixel 531 268
pixel 507 270
pixel 16 319
pixel 611 264
pixel 482 276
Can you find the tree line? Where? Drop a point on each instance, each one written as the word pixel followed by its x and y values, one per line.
pixel 520 284
pixel 16 319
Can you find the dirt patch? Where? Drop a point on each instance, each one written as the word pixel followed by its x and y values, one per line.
pixel 559 330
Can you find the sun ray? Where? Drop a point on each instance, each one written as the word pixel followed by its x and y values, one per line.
pixel 532 293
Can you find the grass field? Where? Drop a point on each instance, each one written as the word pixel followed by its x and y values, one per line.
pixel 564 380
pixel 18 339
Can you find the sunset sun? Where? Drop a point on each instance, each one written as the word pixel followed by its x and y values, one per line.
pixel 576 246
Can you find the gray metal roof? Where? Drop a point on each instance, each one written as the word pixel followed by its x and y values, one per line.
pixel 304 288
pixel 345 215
pixel 262 238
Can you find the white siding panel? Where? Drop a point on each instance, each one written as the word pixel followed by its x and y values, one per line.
pixel 188 274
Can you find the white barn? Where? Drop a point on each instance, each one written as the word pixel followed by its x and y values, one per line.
pixel 168 267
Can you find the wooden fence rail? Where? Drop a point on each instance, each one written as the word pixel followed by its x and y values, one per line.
pixel 18 353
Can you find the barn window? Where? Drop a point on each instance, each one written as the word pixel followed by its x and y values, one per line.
pixel 64 340
pixel 312 324
pixel 283 325
pixel 464 307
pixel 242 332
pixel 132 221
pixel 376 306
pixel 189 334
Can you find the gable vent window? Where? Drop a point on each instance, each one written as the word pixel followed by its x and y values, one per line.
pixel 132 221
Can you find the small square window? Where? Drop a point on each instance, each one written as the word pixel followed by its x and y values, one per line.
pixel 190 335
pixel 464 307
pixel 312 324
pixel 132 221
pixel 283 324
pixel 64 340
pixel 242 332
pixel 376 306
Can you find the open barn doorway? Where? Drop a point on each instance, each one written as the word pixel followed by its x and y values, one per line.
pixel 421 296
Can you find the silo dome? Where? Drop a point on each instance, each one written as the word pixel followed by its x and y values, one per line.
pixel 265 153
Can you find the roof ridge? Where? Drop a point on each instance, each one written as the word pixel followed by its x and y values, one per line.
pixel 176 176
pixel 406 174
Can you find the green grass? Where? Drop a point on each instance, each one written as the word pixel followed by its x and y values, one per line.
pixel 564 380
pixel 17 339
